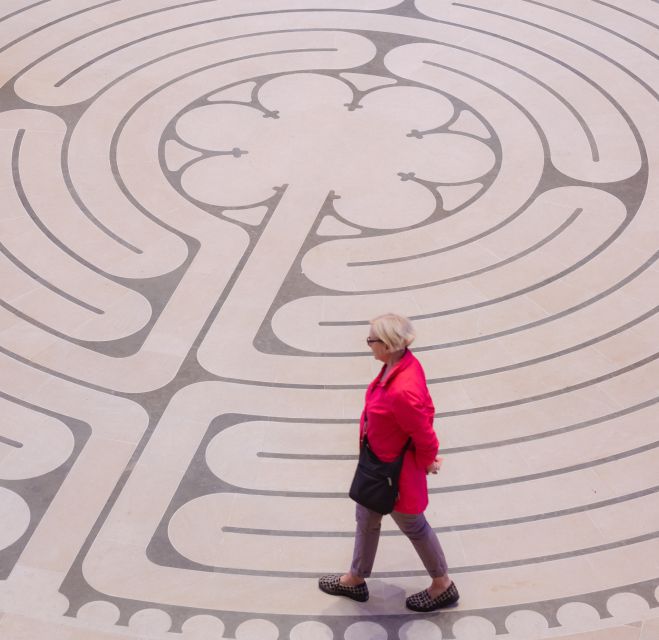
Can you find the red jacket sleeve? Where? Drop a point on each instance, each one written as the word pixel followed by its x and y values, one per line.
pixel 414 413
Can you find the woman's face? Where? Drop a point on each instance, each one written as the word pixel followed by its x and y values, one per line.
pixel 378 348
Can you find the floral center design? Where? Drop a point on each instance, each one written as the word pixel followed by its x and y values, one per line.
pixel 308 130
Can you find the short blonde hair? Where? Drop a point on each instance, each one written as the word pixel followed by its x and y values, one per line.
pixel 394 330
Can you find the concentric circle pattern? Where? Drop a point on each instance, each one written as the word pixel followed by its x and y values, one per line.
pixel 203 203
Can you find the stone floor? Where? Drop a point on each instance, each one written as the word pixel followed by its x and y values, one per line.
pixel 202 204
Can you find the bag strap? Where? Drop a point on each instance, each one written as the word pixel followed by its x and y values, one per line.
pixel 400 455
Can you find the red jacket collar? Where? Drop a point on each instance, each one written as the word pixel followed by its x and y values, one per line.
pixel 403 363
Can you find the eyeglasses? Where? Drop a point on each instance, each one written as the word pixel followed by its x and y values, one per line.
pixel 370 341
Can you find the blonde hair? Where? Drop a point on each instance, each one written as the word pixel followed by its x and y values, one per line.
pixel 394 330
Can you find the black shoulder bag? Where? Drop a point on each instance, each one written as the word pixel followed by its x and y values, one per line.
pixel 375 485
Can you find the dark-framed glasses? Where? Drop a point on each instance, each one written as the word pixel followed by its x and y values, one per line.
pixel 370 341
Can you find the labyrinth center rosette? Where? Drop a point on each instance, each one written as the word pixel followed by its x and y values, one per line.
pixel 512 219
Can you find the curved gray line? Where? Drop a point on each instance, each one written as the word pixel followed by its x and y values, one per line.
pixel 52 22
pixel 287 385
pixel 522 291
pixel 553 432
pixel 550 356
pixel 483 445
pixel 503 482
pixel 458 412
pixel 55 240
pixel 41 326
pixel 596 25
pixel 67 181
pixel 284 385
pixel 552 394
pixel 458 527
pixel 594 151
pixel 492 444
pixel 629 13
pixel 109 52
pixel 572 349
pixel 542 321
pixel 189 48
pixel 547 474
pixel 64 159
pixel 486 372
pixel 107 26
pixel 536 560
pixel 23 198
pixel 142 15
pixel 227 379
pixel 119 130
pixel 425 316
pixel 559 275
pixel 542 283
pixel 10 442
pixel 455 245
pixel 85 383
pixel 59 374
pixel 34 408
pixel 117 133
pixel 65 149
pixel 541 53
pixel 450 247
pixel 614 62
pixel 473 447
pixel 457 569
pixel 589 134
pixel 22 9
pixel 469 274
pixel 305 456
pixel 51 287
pixel 582 305
pixel 156 34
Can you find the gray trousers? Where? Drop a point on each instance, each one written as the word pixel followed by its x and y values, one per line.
pixel 414 526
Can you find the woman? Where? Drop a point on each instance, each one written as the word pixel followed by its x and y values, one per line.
pixel 398 406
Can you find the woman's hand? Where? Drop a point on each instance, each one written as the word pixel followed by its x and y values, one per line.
pixel 435 465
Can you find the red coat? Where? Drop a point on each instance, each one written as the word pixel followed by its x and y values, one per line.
pixel 397 409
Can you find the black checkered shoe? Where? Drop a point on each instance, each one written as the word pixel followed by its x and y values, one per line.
pixel 423 602
pixel 331 584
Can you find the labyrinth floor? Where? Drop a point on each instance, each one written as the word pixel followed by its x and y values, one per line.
pixel 204 201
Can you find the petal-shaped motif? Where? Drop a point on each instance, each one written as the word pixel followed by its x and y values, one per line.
pixel 306 92
pixel 385 202
pixel 231 182
pixel 332 226
pixel 407 108
pixel 238 93
pixel 467 122
pixel 366 81
pixel 315 140
pixel 15 517
pixel 176 155
pixel 454 196
pixel 449 157
pixel 221 127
